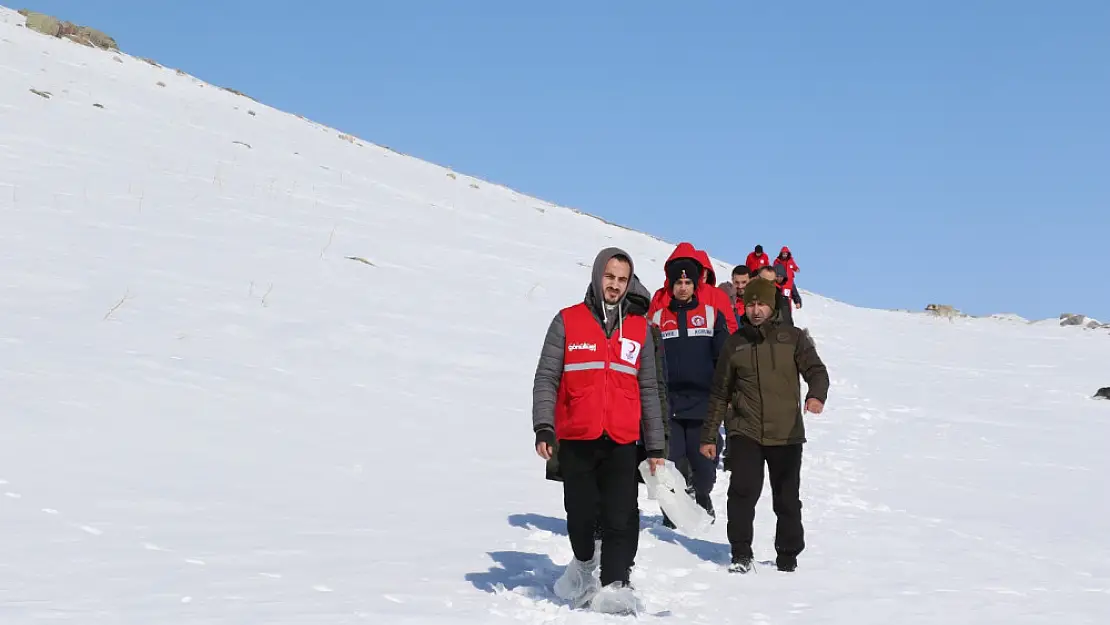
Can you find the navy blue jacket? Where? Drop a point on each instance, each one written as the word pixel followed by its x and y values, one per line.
pixel 692 340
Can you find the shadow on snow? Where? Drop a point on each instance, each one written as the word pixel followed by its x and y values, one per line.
pixel 717 553
pixel 539 522
pixel 534 573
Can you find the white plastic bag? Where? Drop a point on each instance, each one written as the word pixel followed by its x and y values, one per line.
pixel 668 487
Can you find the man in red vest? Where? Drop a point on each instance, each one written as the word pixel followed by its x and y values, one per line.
pixel 596 393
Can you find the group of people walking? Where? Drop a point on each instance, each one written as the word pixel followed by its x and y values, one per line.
pixel 625 376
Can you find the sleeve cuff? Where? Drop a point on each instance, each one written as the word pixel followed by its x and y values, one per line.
pixel 545 435
pixel 655 453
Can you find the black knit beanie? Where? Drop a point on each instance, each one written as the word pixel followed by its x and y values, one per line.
pixel 683 268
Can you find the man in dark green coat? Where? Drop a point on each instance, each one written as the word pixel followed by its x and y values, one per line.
pixel 757 394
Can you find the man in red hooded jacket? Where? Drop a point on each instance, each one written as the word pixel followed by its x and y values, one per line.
pixel 757 259
pixel 707 288
pixel 786 259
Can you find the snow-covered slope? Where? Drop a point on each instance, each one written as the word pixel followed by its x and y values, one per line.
pixel 212 414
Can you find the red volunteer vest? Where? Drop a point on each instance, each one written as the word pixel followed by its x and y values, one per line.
pixel 599 391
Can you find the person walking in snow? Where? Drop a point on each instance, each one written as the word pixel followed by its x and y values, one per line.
pixel 757 259
pixel 595 394
pixel 757 394
pixel 637 301
pixel 786 259
pixel 708 278
pixel 785 284
pixel 741 276
pixel 706 284
pixel 776 275
pixel 693 334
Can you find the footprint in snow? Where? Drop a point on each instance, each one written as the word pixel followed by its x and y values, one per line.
pixel 678 572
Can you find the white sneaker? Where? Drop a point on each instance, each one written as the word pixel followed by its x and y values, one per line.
pixel 616 598
pixel 579 583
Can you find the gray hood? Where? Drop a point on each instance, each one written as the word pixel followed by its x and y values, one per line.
pixel 595 295
pixel 602 259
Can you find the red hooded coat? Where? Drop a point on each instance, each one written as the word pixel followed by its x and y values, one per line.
pixel 790 265
pixel 755 262
pixel 708 292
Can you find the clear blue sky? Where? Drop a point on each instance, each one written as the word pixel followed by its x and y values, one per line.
pixel 909 152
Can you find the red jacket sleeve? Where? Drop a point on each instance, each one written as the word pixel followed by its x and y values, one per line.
pixel 724 305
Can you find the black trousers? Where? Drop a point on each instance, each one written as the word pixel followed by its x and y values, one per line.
pixel 784 467
pixel 599 480
pixel 700 472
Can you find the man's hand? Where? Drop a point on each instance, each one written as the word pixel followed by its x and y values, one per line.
pixel 798 306
pixel 544 450
pixel 814 406
pixel 709 451
pixel 655 463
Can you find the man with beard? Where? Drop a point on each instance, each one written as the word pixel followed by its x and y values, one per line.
pixel 757 393
pixel 776 275
pixel 595 391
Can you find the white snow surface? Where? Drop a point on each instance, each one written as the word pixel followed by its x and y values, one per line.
pixel 212 415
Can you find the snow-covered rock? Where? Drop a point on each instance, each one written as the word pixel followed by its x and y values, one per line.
pixel 1010 317
pixel 1071 319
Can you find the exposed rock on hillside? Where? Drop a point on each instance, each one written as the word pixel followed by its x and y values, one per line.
pixel 1071 319
pixel 53 27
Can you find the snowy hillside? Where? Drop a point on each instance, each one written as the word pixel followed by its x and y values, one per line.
pixel 255 373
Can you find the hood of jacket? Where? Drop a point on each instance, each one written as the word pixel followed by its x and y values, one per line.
pixel 707 266
pixel 686 250
pixel 730 290
pixel 595 293
pixel 786 250
pixel 638 298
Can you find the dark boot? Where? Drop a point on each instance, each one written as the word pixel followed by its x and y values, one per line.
pixel 740 565
pixel 787 564
pixel 706 502
pixel 668 523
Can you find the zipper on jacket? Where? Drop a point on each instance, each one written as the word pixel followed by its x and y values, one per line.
pixel 605 382
pixel 759 383
pixel 774 365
